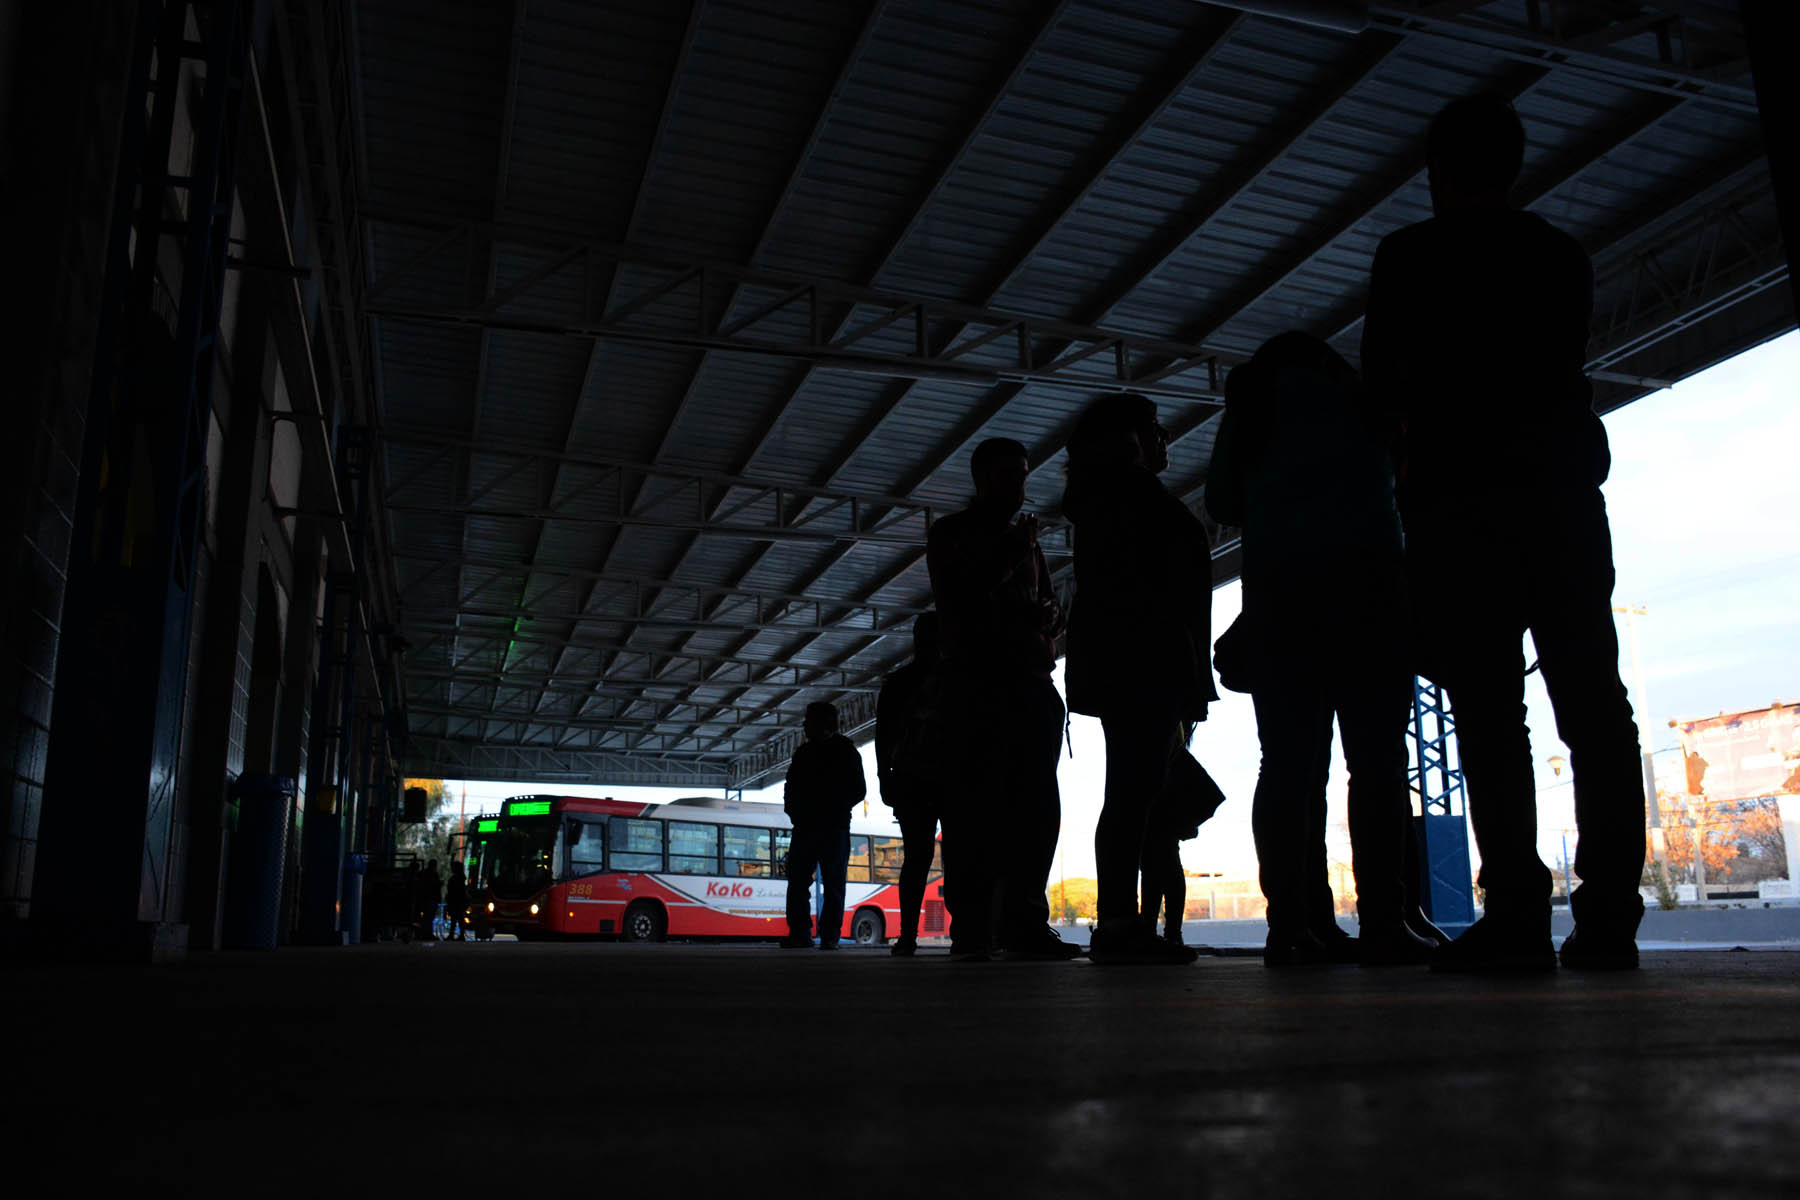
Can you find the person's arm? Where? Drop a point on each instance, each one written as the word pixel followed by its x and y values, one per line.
pixel 1050 610
pixel 794 791
pixel 856 786
pixel 1384 368
pixel 887 724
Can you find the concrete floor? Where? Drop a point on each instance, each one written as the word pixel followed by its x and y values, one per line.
pixel 512 1069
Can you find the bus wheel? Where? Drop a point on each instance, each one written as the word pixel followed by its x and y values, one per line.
pixel 868 928
pixel 645 921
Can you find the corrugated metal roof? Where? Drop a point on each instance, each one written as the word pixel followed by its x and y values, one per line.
pixel 646 504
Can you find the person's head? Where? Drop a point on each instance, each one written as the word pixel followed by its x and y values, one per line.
pixel 1294 349
pixel 925 637
pixel 1474 152
pixel 821 720
pixel 1000 467
pixel 1250 389
pixel 1117 429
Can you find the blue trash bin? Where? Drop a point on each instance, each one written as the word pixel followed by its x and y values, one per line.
pixel 258 860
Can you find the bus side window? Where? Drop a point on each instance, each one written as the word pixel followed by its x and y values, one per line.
pixel 887 858
pixel 747 852
pixel 859 859
pixel 783 839
pixel 588 854
pixel 693 848
pixel 637 845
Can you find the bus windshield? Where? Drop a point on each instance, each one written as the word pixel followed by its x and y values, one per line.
pixel 516 858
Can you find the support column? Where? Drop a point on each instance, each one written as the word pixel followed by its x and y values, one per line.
pixel 1441 827
pixel 108 883
pixel 227 651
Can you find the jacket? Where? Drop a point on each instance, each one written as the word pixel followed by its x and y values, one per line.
pixel 824 783
pixel 1475 343
pixel 1140 627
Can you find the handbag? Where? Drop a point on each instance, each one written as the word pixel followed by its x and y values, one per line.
pixel 1189 796
pixel 1233 656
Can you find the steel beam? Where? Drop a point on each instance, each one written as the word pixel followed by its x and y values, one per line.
pixel 577 409
pixel 1590 53
pixel 471 758
pixel 1539 187
pixel 660 594
pixel 1188 228
pixel 886 340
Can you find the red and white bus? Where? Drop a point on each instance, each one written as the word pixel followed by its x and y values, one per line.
pixel 695 867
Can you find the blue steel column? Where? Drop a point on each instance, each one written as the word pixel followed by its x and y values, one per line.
pixel 104 871
pixel 1441 824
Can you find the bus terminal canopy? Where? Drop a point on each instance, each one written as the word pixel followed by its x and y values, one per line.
pixel 683 319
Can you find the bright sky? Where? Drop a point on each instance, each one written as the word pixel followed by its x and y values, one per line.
pixel 1704 501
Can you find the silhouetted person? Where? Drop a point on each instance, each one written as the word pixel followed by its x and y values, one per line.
pixel 1301 466
pixel 456 901
pixel 1476 339
pixel 1140 638
pixel 916 802
pixel 998 618
pixel 824 783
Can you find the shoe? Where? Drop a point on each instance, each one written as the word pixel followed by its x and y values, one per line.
pixel 1582 951
pixel 1300 948
pixel 831 945
pixel 1041 946
pixel 1133 942
pixel 796 941
pixel 1490 948
pixel 1393 946
pixel 904 947
pixel 1339 946
pixel 964 952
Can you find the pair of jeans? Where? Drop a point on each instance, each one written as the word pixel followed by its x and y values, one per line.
pixel 1001 826
pixel 1295 706
pixel 918 817
pixel 1138 748
pixel 1542 565
pixel 827 850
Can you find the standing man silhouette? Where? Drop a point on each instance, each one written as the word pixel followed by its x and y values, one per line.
pixel 1475 341
pixel 824 783
pixel 998 620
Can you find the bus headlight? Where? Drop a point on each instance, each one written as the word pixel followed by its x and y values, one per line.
pixel 490 906
pixel 534 910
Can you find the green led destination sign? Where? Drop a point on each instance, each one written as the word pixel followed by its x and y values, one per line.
pixel 491 825
pixel 528 808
